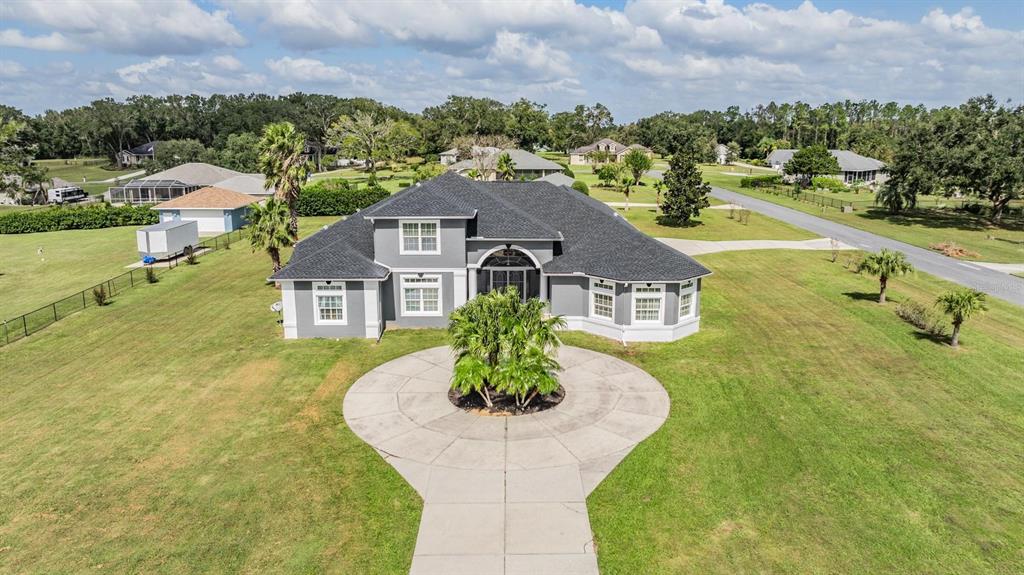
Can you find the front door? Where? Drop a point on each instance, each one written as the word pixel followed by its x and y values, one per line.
pixel 502 278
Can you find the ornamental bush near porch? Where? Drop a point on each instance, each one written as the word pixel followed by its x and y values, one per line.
pixel 505 348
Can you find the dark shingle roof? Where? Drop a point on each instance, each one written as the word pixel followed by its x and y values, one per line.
pixel 595 239
pixel 342 251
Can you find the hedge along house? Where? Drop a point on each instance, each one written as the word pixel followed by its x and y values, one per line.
pixel 412 258
pixel 215 210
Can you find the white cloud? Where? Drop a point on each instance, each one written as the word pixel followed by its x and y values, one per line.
pixel 53 42
pixel 317 72
pixel 129 26
pixel 527 57
pixel 228 62
pixel 10 69
pixel 135 73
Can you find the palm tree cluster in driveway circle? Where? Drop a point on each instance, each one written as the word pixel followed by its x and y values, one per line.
pixel 505 348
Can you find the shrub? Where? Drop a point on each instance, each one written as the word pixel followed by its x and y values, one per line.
pixel 827 183
pixel 337 197
pixel 190 257
pixel 89 217
pixel 922 318
pixel 100 296
pixel 761 181
pixel 428 171
pixel 404 184
pixel 151 275
pixel 581 187
pixel 567 171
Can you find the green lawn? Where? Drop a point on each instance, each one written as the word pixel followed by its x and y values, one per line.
pixel 922 227
pixel 72 260
pixel 716 225
pixel 811 431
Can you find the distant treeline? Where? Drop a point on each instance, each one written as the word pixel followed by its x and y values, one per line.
pixel 106 126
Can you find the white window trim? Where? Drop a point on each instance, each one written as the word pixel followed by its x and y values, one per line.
pixel 440 296
pixel 661 304
pixel 344 303
pixel 692 290
pixel 401 237
pixel 590 309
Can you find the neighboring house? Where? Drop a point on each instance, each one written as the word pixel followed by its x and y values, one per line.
pixel 722 154
pixel 215 210
pixel 616 151
pixel 409 260
pixel 853 167
pixel 528 166
pixel 558 179
pixel 181 180
pixel 138 154
pixel 449 157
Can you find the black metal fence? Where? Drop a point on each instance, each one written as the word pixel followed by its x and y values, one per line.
pixel 25 325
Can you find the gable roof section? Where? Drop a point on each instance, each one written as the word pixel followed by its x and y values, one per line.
pixel 342 251
pixel 251 184
pixel 208 198
pixel 147 149
pixel 557 178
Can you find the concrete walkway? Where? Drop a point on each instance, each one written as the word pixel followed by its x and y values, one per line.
pixel 505 495
pixel 631 204
pixel 992 282
pixel 697 247
pixel 1005 268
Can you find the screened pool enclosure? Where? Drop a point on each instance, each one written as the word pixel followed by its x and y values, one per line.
pixel 149 191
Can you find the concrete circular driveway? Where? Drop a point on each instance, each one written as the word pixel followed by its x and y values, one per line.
pixel 501 494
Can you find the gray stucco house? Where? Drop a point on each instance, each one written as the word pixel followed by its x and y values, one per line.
pixel 411 259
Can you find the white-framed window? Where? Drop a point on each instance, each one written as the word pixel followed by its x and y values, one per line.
pixel 421 295
pixel 602 299
pixel 687 293
pixel 329 303
pixel 420 237
pixel 647 303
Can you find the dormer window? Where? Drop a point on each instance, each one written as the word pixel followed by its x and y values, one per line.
pixel 420 237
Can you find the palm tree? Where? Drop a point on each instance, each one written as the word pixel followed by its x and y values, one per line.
pixel 283 162
pixel 268 229
pixel 506 167
pixel 961 304
pixel 505 347
pixel 885 264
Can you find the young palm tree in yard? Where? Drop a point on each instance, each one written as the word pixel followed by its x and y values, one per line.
pixel 961 304
pixel 283 163
pixel 885 264
pixel 506 167
pixel 268 229
pixel 505 347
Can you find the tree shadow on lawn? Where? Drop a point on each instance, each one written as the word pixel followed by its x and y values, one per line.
pixel 943 218
pixel 862 296
pixel 942 340
pixel 674 223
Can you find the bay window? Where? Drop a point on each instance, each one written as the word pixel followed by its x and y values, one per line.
pixel 647 303
pixel 602 299
pixel 329 303
pixel 687 293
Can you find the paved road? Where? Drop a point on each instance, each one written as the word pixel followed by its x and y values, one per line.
pixel 994 283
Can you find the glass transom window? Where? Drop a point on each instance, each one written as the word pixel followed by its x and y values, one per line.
pixel 420 237
pixel 602 299
pixel 421 295
pixel 647 303
pixel 329 300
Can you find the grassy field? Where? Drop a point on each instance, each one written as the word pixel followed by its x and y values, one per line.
pixel 72 260
pixel 811 431
pixel 716 225
pixel 922 227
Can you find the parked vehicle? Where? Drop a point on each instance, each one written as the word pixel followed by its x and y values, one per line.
pixel 66 195
pixel 167 239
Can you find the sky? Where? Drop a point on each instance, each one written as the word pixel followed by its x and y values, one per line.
pixel 637 57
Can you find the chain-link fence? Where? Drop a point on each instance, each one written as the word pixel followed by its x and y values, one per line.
pixel 25 325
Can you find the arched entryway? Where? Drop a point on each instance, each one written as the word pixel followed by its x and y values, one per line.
pixel 509 267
